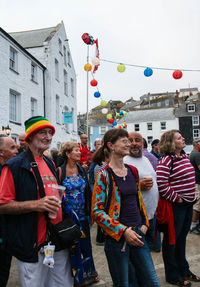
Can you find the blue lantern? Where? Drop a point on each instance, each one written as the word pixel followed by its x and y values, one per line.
pixel 97 94
pixel 148 72
pixel 121 113
pixel 114 123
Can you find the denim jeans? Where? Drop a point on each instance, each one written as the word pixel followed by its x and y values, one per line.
pixel 176 265
pixel 125 275
pixel 153 245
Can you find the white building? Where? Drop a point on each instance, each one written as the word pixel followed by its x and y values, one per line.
pixel 151 123
pixel 49 81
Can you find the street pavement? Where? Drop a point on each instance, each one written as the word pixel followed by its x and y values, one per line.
pixel 193 256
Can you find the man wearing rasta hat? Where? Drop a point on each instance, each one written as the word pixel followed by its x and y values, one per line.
pixel 23 210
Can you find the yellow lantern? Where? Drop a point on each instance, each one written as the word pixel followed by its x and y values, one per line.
pixel 121 68
pixel 103 103
pixel 88 67
pixel 109 116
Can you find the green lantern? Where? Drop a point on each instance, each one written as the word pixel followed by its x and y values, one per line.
pixel 109 116
pixel 103 103
pixel 121 68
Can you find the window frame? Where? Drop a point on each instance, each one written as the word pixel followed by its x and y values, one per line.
pixel 198 131
pixel 33 72
pixel 56 70
pixel 13 61
pixel 193 121
pixel 58 110
pixel 149 125
pixel 17 107
pixel 161 126
pixel 137 130
pixel 190 106
pixel 100 130
pixel 65 76
pixel 34 105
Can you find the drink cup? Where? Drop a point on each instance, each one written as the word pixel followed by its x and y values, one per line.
pixel 58 191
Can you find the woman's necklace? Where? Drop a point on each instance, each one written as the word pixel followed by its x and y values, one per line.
pixel 120 172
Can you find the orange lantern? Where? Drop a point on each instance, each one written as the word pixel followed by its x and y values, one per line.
pixel 88 67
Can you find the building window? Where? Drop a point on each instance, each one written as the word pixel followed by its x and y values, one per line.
pixel 195 120
pixel 149 126
pixel 33 72
pixel 163 125
pixel 149 140
pixel 33 107
pixel 72 87
pixel 196 133
pixel 65 83
pixel 14 107
pixel 60 46
pixel 56 70
pixel 13 59
pixel 191 107
pixel 57 109
pixel 102 130
pixel 137 127
pixel 68 59
pixel 65 55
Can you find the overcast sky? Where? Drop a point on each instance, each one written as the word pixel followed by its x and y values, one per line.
pixel 156 33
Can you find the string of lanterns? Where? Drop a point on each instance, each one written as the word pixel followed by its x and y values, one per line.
pixel 114 117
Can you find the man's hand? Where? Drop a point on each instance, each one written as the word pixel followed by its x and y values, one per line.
pixel 47 203
pixel 132 237
pixel 146 183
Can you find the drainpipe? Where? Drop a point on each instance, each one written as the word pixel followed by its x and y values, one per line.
pixel 44 91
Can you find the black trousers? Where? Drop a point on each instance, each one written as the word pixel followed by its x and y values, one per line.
pixel 5 262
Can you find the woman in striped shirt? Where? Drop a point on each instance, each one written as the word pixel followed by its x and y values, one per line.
pixel 176 183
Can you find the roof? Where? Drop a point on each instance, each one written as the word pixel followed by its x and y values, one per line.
pixel 189 90
pixel 22 48
pixel 150 115
pixel 181 111
pixel 34 38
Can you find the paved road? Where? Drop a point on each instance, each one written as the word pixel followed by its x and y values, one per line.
pixel 193 256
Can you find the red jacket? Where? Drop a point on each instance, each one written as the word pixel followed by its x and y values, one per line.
pixel 84 154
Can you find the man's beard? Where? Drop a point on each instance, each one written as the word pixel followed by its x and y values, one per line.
pixel 137 153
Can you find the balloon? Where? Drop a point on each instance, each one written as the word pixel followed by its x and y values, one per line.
pixel 88 67
pixel 177 74
pixel 125 113
pixel 87 39
pixel 119 127
pixel 109 116
pixel 121 113
pixel 95 61
pixel 103 103
pixel 121 68
pixel 97 94
pixel 93 83
pixel 117 114
pixel 114 123
pixel 148 72
pixel 104 111
pixel 124 124
pixel 111 121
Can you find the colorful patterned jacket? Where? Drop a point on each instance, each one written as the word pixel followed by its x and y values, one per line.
pixel 108 218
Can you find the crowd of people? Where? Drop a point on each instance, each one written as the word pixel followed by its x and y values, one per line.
pixel 132 194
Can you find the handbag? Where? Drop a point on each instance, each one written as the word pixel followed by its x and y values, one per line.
pixel 63 234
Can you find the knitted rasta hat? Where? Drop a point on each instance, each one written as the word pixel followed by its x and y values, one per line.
pixel 36 123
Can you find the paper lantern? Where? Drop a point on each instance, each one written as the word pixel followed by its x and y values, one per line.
pixel 125 113
pixel 121 68
pixel 114 123
pixel 104 111
pixel 103 103
pixel 97 94
pixel 88 67
pixel 121 113
pixel 96 61
pixel 119 127
pixel 148 72
pixel 111 121
pixel 177 74
pixel 109 116
pixel 93 83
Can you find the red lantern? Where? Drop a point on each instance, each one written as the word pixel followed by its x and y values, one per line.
pixel 93 83
pixel 177 74
pixel 111 121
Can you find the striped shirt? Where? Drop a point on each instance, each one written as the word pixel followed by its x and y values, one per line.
pixel 178 182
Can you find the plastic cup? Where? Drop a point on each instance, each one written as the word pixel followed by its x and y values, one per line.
pixel 58 191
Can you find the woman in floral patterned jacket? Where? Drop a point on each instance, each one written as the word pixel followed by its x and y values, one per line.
pixel 118 208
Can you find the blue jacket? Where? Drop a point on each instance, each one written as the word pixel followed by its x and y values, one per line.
pixel 20 231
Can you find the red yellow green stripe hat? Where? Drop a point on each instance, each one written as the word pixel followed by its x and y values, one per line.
pixel 36 123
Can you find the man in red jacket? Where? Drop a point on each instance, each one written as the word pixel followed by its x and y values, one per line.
pixel 84 149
